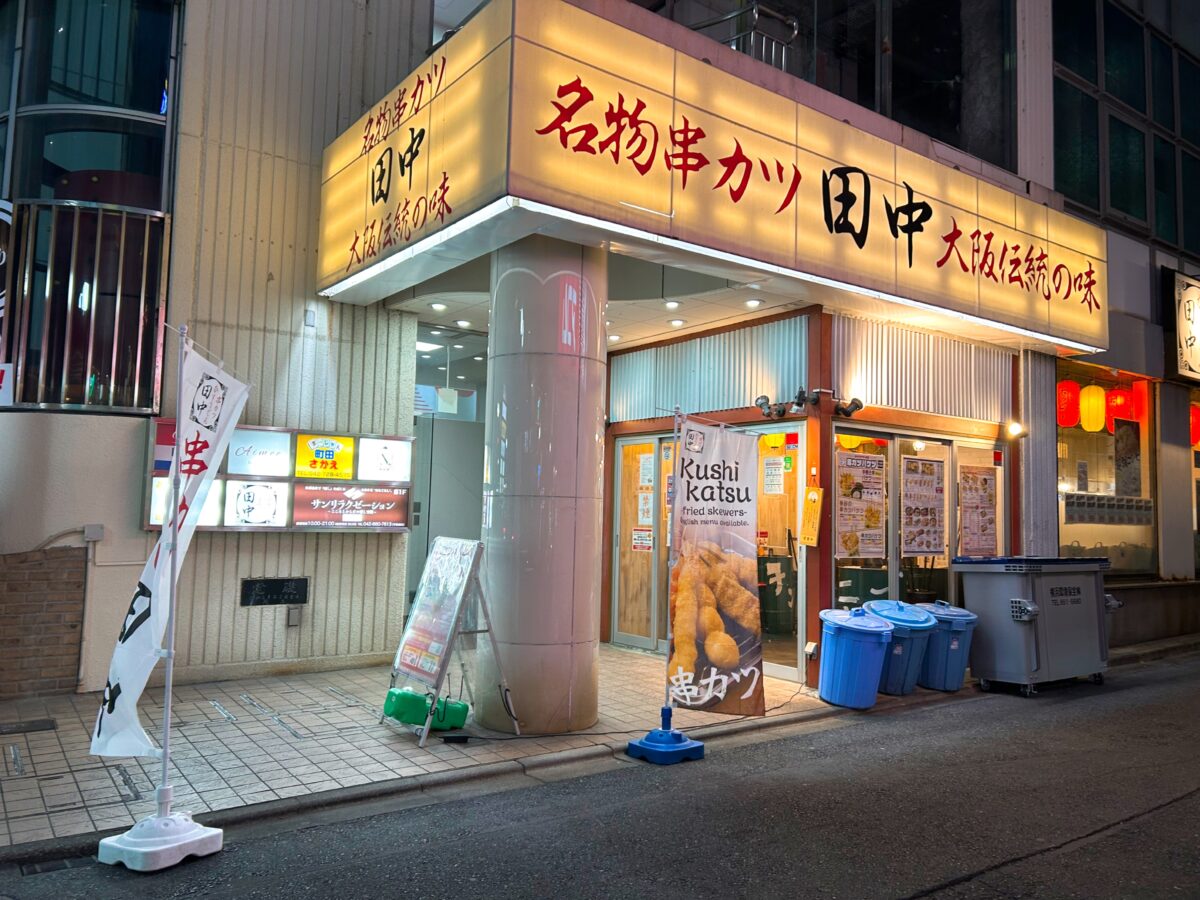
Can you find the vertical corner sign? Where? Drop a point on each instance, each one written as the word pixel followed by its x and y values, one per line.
pixel 209 404
pixel 716 639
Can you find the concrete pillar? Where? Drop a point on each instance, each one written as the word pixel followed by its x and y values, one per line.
pixel 542 501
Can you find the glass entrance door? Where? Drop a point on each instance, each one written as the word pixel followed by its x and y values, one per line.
pixel 904 504
pixel 641 541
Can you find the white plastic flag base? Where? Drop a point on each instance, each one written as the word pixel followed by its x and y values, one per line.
pixel 158 842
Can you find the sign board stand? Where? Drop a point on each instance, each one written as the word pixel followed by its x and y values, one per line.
pixel 448 585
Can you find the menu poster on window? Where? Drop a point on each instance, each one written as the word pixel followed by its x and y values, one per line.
pixel 772 474
pixel 977 502
pixel 645 508
pixel 861 503
pixel 923 511
pixel 1127 455
pixel 646 470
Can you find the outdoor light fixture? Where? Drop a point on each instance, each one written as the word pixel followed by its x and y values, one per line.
pixel 842 408
pixel 763 402
pixel 753 304
pixel 461 323
pixel 613 338
pixel 1014 430
pixel 672 304
pixel 438 307
pixel 677 323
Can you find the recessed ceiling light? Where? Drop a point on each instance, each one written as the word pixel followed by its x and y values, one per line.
pixel 426 347
pixel 607 323
pixel 477 358
pixel 672 304
pixel 613 338
pixel 456 346
pixel 424 356
pixel 438 307
pixel 441 368
pixel 463 323
pixel 435 332
pixel 754 304
pixel 754 287
pixel 461 377
pixel 675 323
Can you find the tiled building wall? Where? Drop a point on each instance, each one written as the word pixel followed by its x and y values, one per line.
pixel 41 614
pixel 263 88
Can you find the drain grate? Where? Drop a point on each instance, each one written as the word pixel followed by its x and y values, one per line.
pixel 28 726
pixel 57 865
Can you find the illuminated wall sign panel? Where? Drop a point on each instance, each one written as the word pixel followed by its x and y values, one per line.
pixel 253 451
pixel 1181 321
pixel 604 122
pixel 270 481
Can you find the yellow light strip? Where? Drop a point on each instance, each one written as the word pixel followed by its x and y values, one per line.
pixel 499 207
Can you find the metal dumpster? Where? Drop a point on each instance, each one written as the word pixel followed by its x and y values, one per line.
pixel 1040 618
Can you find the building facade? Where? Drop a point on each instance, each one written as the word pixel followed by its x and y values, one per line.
pixel 525 231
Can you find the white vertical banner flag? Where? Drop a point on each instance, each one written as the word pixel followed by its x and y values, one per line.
pixel 208 407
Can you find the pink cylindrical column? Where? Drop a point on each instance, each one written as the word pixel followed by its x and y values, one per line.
pixel 543 464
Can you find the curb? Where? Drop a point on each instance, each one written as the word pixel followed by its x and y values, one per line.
pixel 82 845
pixel 1139 653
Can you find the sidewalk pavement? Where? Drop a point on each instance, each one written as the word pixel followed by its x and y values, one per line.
pixel 249 741
pixel 316 738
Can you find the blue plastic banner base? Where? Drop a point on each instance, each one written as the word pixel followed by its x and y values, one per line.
pixel 665 746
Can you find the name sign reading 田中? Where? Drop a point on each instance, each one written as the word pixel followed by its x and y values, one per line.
pixel 276 479
pixel 605 122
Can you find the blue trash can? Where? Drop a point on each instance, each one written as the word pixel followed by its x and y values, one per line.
pixel 911 627
pixel 852 656
pixel 949 647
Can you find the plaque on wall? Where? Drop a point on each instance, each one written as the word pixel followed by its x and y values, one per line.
pixel 274 591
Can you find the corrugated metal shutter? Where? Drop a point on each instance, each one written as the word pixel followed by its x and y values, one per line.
pixel 720 371
pixel 885 365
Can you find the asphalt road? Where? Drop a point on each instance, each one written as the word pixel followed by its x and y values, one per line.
pixel 1084 791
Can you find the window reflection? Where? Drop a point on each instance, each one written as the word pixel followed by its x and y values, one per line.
pixel 111 53
pixel 91 158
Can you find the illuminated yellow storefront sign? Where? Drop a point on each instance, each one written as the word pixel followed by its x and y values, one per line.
pixel 543 101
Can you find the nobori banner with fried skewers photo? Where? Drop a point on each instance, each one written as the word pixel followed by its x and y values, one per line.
pixel 716 634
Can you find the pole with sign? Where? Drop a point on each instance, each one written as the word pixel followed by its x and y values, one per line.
pixel 666 745
pixel 209 403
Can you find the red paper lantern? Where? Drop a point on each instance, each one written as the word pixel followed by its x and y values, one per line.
pixel 1068 404
pixel 1118 404
pixel 1141 400
pixel 1194 423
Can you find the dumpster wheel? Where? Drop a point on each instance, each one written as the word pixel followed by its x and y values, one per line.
pixel 1097 678
pixel 1028 690
pixel 985 685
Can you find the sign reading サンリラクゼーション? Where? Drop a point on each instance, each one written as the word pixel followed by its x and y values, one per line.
pixel 602 121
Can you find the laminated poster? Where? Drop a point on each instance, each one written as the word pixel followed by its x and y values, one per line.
pixel 861 504
pixel 716 634
pixel 773 475
pixel 642 539
pixel 645 508
pixel 424 649
pixel 923 510
pixel 646 470
pixel 977 502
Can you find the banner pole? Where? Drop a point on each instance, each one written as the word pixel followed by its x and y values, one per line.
pixel 666 745
pixel 163 794
pixel 673 550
